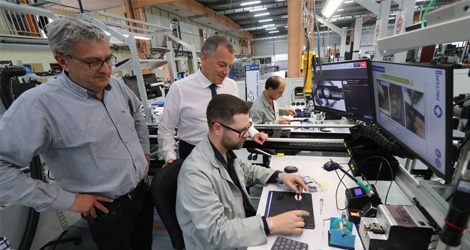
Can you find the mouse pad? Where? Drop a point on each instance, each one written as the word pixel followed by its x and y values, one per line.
pixel 282 202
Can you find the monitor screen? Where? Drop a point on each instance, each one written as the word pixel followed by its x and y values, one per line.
pixel 414 105
pixel 344 88
pixel 150 81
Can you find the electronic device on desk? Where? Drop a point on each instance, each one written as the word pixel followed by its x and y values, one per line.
pixel 152 85
pixel 281 133
pixel 373 165
pixel 357 198
pixel 340 233
pixel 414 106
pixel 345 88
pixel 283 243
pixel 396 227
pixel 359 204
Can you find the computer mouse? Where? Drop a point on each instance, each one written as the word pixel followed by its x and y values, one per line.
pixel 291 169
pixel 330 165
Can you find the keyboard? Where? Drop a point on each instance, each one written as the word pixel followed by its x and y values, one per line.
pixel 283 243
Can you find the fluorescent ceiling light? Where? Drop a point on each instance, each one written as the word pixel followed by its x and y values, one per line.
pixel 284 16
pixel 136 35
pixel 271 28
pixel 340 9
pixel 265 20
pixel 262 14
pixel 330 7
pixel 348 1
pixel 392 17
pixel 274 31
pixel 139 37
pixel 257 9
pixel 268 25
pixel 250 3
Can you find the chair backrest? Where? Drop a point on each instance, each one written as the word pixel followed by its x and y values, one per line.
pixel 163 191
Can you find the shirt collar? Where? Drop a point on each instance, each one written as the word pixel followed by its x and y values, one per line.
pixel 265 101
pixel 230 155
pixel 205 83
pixel 77 89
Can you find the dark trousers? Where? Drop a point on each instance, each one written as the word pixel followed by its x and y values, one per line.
pixel 185 149
pixel 128 225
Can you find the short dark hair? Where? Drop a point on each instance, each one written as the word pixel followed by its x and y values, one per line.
pixel 223 107
pixel 273 82
pixel 213 42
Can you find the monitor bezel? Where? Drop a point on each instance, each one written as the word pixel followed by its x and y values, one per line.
pixel 449 81
pixel 371 93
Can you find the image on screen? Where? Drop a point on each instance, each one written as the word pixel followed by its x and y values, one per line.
pixel 414 105
pixel 149 80
pixel 344 88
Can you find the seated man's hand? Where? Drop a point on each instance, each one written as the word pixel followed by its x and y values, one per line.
pixel 294 182
pixel 291 222
pixel 260 138
pixel 290 111
pixel 283 121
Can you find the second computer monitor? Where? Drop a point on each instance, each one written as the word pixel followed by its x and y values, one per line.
pixel 414 105
pixel 345 88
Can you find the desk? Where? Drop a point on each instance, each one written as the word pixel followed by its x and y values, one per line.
pixel 312 166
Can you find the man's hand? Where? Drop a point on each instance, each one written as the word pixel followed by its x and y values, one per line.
pixel 290 111
pixel 87 204
pixel 260 138
pixel 294 182
pixel 283 121
pixel 168 162
pixel 289 222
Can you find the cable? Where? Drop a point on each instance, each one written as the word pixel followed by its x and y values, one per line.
pixel 336 192
pixel 390 168
pixel 423 21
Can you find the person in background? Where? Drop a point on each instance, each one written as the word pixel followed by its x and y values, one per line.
pixel 212 204
pixel 187 100
pixel 89 129
pixel 265 109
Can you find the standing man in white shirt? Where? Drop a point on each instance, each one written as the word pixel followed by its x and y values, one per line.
pixel 187 100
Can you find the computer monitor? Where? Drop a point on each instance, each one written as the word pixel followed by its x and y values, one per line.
pixel 344 88
pixel 55 68
pixel 414 106
pixel 150 81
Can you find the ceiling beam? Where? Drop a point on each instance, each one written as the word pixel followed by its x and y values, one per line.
pixel 196 8
pixel 235 11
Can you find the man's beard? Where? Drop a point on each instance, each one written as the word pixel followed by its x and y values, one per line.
pixel 230 145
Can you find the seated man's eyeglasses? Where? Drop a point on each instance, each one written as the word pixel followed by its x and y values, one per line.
pixel 241 132
pixel 97 64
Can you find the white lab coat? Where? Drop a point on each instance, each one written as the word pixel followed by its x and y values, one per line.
pixel 209 206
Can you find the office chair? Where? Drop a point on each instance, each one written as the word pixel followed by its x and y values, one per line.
pixel 163 191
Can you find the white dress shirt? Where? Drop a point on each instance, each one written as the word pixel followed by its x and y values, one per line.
pixel 185 109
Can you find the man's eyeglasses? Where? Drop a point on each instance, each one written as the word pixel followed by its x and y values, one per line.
pixel 241 133
pixel 97 64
